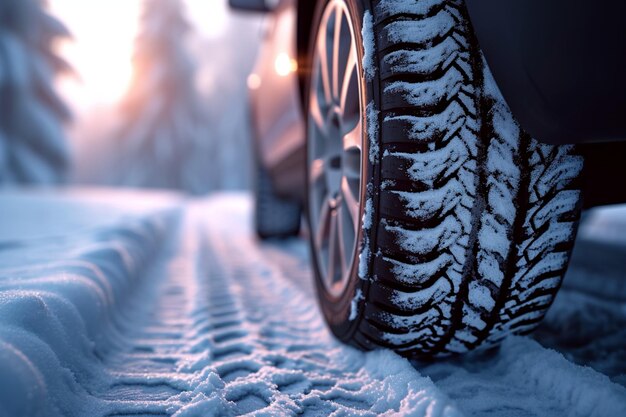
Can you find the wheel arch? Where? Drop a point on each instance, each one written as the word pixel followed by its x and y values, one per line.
pixel 304 23
pixel 604 168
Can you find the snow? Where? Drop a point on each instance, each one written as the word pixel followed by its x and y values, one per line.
pixel 373 132
pixel 369 46
pixel 61 282
pixel 154 305
pixel 145 304
pixel 424 241
pixel 524 372
pixel 424 128
pixel 423 61
pixel 427 204
pixel 364 259
pixel 433 294
pixel 607 224
pixel 480 296
pixel 425 31
pixel 428 167
pixel 354 305
pixel 367 221
pixel 406 6
pixel 428 93
pixel 411 274
pixel 366 225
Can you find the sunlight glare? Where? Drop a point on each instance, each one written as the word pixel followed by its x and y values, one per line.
pixel 102 48
pixel 104 34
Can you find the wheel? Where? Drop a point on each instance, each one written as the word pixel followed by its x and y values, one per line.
pixel 437 225
pixel 274 216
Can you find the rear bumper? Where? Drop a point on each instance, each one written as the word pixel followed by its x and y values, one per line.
pixel 560 65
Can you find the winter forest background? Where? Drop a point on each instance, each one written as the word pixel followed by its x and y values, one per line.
pixel 140 93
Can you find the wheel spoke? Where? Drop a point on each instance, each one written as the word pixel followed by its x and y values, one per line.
pixel 336 40
pixel 318 114
pixel 344 45
pixel 323 224
pixel 349 101
pixel 352 139
pixel 351 201
pixel 322 52
pixel 318 170
pixel 348 74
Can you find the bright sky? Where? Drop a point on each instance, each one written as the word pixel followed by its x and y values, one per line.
pixel 102 48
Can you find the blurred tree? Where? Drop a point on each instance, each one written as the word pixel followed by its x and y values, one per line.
pixel 33 148
pixel 162 111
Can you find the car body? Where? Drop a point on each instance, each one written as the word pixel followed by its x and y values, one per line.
pixel 536 75
pixel 276 105
pixel 277 97
pixel 441 218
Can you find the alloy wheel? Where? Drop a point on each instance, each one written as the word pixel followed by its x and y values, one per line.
pixel 334 147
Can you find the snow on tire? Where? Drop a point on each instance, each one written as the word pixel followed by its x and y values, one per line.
pixel 468 222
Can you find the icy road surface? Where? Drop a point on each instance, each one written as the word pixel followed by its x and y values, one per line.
pixel 148 305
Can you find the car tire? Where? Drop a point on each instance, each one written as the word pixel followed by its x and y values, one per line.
pixel 464 224
pixel 275 217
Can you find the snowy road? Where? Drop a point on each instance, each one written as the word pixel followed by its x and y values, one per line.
pixel 203 320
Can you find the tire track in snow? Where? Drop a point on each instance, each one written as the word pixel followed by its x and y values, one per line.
pixel 155 326
pixel 222 333
pixel 229 332
pixel 271 353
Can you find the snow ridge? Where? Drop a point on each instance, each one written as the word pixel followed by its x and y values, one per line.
pixel 57 316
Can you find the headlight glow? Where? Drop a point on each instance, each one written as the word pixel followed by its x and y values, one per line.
pixel 285 65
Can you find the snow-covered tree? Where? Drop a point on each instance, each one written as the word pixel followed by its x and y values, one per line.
pixel 33 148
pixel 162 112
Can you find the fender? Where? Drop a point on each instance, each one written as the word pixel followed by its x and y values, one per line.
pixel 560 65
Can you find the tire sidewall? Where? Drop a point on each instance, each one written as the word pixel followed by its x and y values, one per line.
pixel 337 310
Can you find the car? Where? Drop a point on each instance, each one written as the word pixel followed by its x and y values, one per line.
pixel 437 149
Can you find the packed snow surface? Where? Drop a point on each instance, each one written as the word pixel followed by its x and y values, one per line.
pixel 65 269
pixel 120 304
